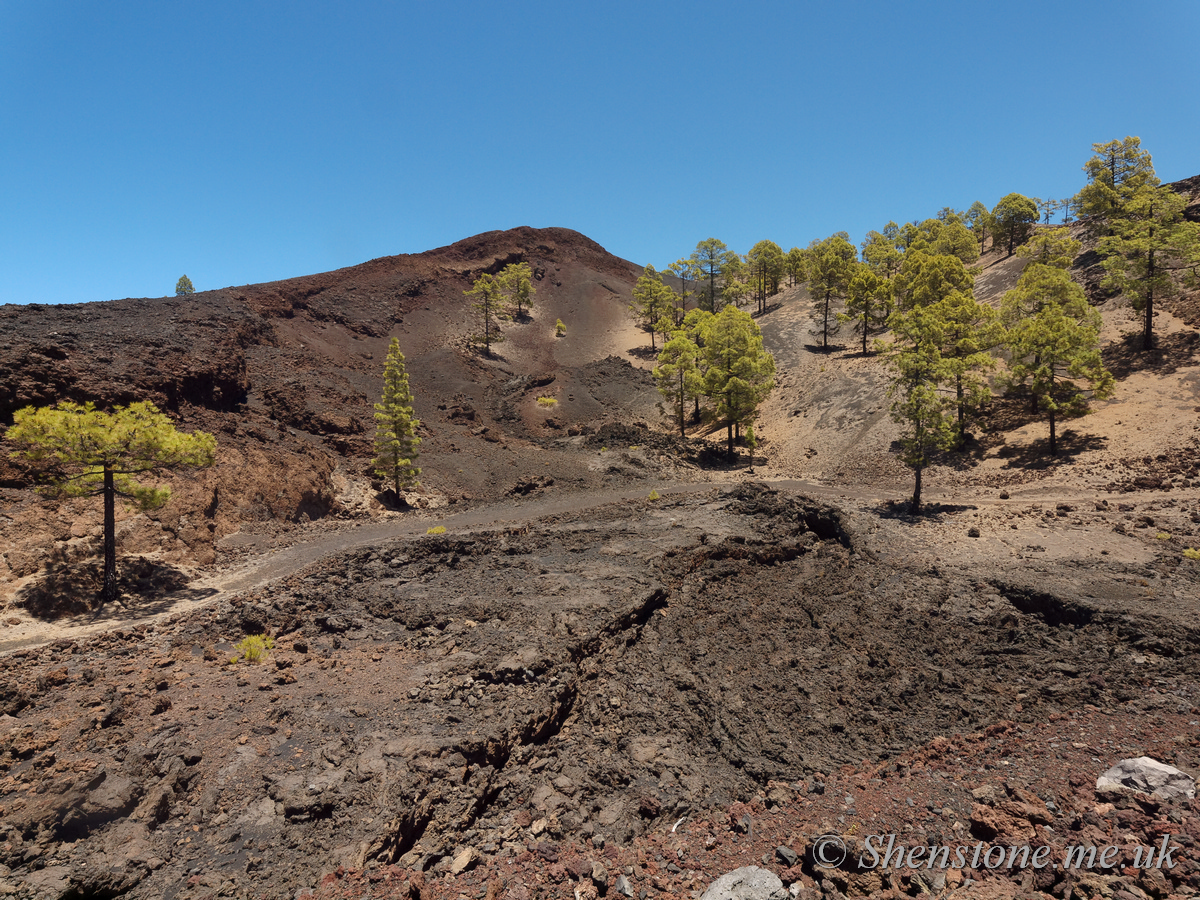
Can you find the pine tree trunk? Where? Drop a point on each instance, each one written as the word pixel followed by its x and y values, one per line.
pixel 1148 325
pixel 962 424
pixel 682 402
pixel 1053 441
pixel 730 438
pixel 487 324
pixel 825 326
pixel 915 506
pixel 110 593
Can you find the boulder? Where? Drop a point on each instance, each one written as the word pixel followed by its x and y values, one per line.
pixel 746 883
pixel 1148 776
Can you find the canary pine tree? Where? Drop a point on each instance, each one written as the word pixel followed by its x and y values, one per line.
pixel 1149 240
pixel 84 452
pixel 1051 247
pixel 395 426
pixel 740 373
pixel 918 405
pixel 678 375
pixel 1054 337
pixel 925 279
pixel 970 331
pixel 516 283
pixel 653 302
pixel 868 303
pixel 710 258
pixel 1013 220
pixel 1118 171
pixel 831 265
pixel 487 292
pixel 686 272
pixel 979 220
pixel 767 266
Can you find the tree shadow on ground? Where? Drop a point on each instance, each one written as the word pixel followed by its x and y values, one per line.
pixel 71 588
pixel 477 349
pixel 1008 413
pixel 713 459
pixel 1171 352
pixel 1036 454
pixel 770 308
pixel 389 500
pixel 930 510
pixel 643 352
pixel 824 351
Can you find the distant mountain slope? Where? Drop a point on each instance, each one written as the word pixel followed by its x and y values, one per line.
pixel 286 374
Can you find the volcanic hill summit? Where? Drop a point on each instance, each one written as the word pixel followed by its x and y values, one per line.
pixel 286 373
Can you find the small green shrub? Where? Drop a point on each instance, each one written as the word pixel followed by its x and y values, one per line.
pixel 1192 553
pixel 653 495
pixel 559 328
pixel 1162 536
pixel 547 402
pixel 437 529
pixel 253 647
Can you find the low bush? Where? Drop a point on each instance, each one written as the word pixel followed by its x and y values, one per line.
pixel 253 648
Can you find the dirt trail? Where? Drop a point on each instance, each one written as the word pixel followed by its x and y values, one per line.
pixel 935 534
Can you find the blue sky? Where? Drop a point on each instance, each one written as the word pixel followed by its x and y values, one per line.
pixel 246 142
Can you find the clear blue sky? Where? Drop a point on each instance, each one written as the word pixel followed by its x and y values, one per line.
pixel 251 141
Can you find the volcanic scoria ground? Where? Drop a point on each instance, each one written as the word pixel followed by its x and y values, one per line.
pixel 500 711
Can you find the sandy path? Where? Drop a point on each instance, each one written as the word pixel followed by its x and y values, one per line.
pixel 934 534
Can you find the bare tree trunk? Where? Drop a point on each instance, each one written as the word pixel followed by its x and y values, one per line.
pixel 915 506
pixel 1053 441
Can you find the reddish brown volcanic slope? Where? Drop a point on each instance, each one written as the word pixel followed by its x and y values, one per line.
pixel 285 375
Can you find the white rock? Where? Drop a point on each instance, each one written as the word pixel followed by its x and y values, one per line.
pixel 1148 776
pixel 747 883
